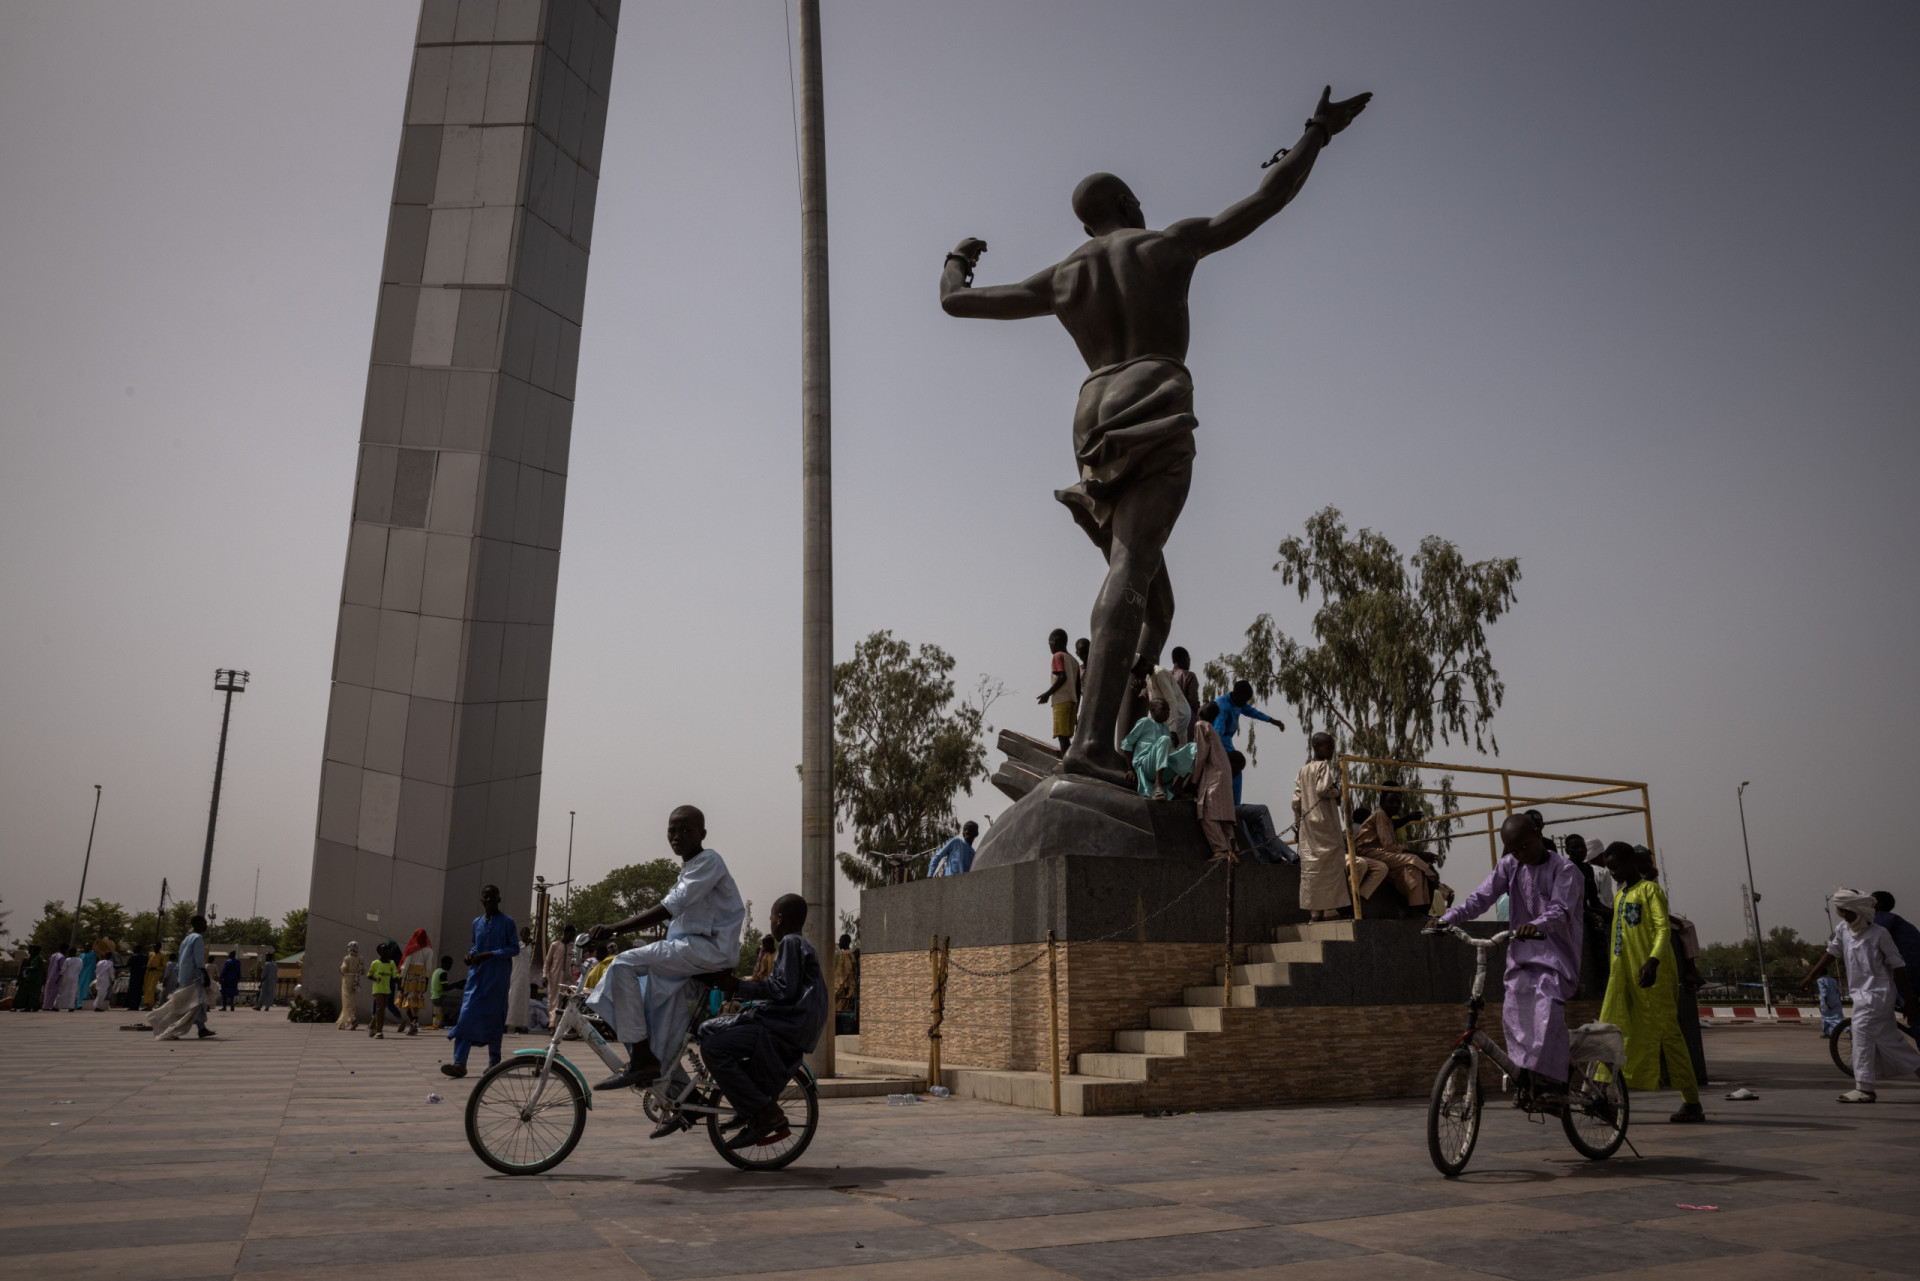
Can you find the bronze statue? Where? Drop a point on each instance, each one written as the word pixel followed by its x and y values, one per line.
pixel 1123 297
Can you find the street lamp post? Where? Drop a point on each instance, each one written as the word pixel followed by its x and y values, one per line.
pixel 73 939
pixel 228 682
pixel 1753 901
pixel 567 911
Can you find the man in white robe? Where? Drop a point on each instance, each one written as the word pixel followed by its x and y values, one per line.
pixel 1323 837
pixel 642 993
pixel 103 982
pixel 518 994
pixel 1877 973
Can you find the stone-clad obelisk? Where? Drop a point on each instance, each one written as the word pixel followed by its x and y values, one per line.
pixel 431 780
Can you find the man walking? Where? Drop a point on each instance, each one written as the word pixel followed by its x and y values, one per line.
pixel 1642 986
pixel 33 977
pixel 483 1008
pixel 269 983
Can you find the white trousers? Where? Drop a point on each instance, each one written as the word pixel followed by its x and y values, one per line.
pixel 643 993
pixel 1878 1048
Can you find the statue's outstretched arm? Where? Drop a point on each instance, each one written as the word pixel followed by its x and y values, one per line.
pixel 1282 183
pixel 1031 297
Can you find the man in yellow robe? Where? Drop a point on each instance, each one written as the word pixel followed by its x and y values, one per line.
pixel 1641 982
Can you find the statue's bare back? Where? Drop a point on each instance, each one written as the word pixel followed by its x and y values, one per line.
pixel 1123 297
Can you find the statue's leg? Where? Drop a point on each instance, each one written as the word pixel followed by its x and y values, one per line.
pixel 1143 516
pixel 1158 625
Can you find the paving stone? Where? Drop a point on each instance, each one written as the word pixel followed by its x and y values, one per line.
pixel 310 1144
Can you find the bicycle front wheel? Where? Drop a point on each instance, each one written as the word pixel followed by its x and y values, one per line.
pixel 516 1136
pixel 1595 1118
pixel 800 1100
pixel 1453 1115
pixel 1840 1045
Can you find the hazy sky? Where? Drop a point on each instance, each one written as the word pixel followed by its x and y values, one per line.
pixel 1631 292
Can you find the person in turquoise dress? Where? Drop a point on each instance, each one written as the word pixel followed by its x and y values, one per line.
pixel 1154 755
pixel 88 960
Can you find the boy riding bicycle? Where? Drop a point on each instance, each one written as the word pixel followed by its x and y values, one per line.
pixel 752 1054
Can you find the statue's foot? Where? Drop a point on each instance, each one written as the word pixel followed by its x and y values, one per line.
pixel 1086 765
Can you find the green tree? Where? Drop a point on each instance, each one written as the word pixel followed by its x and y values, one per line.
pixel 626 891
pixel 243 929
pixel 293 932
pixel 54 930
pixel 903 749
pixel 1401 656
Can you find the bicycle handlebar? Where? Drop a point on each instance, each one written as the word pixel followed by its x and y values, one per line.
pixel 1471 941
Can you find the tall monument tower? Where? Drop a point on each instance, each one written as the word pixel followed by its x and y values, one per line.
pixel 430 785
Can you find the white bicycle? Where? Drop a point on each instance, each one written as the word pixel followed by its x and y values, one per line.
pixel 526 1115
pixel 1594 1112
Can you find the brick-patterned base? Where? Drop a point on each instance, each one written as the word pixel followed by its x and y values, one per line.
pixel 1261 1056
pixel 1001 1022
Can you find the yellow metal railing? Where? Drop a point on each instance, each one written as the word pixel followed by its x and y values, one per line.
pixel 1586 802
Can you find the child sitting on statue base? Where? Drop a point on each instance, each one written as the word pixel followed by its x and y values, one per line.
pixel 1155 759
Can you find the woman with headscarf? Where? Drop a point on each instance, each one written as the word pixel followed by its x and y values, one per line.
pixel 351 968
pixel 416 968
pixel 1876 972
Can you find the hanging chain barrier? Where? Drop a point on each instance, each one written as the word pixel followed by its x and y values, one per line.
pixel 1041 955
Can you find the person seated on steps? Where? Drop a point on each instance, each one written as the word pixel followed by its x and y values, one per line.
pixel 752 1054
pixel 1374 838
pixel 1155 758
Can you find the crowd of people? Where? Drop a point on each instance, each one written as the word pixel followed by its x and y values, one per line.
pixel 106 977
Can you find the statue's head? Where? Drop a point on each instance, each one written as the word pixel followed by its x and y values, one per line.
pixel 1103 203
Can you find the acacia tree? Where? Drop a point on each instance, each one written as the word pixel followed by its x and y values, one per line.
pixel 903 749
pixel 1402 656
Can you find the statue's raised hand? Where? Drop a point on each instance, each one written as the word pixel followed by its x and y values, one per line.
pixel 970 250
pixel 1335 116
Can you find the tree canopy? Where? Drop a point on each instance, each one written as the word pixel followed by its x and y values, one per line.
pixel 1401 656
pixel 257 930
pixel 54 930
pixel 903 749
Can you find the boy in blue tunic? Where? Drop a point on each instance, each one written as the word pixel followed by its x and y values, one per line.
pixel 753 1053
pixel 483 1011
pixel 642 992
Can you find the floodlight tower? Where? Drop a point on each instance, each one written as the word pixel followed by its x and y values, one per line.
pixel 229 682
pixel 1753 901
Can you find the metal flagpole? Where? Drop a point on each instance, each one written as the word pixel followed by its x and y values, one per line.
pixel 816 468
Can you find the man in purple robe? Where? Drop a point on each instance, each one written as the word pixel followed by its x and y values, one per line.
pixel 1545 894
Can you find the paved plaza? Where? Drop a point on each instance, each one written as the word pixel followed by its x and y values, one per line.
pixel 289 1151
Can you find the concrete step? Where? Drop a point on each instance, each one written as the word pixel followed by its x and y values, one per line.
pixel 1309 953
pixel 1269 974
pixel 1314 932
pixel 1078 1093
pixel 1124 1067
pixel 1217 996
pixel 1185 1018
pixel 1150 1041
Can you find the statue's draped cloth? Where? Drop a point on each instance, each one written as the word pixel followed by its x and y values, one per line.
pixel 1134 420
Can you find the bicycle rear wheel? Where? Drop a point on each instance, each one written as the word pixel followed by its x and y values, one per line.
pixel 1840 1045
pixel 800 1100
pixel 515 1138
pixel 1453 1115
pixel 1595 1117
